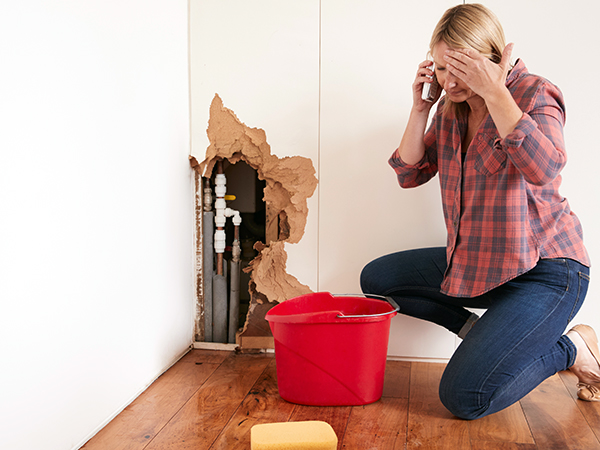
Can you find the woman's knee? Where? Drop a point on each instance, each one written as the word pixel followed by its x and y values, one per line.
pixel 458 409
pixel 460 399
pixel 368 277
pixel 381 275
pixel 418 267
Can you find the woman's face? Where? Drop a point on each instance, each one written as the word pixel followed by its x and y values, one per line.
pixel 456 90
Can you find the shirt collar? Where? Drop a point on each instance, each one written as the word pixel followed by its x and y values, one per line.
pixel 518 69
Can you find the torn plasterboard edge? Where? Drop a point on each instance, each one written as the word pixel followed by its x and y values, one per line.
pixel 290 181
pixel 269 275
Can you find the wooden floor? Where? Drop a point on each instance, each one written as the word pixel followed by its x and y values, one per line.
pixel 211 399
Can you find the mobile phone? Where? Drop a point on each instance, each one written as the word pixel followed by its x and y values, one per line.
pixel 430 89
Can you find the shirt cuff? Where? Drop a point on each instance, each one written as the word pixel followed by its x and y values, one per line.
pixel 515 139
pixel 397 163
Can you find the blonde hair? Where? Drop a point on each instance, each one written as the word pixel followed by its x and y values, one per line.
pixel 469 26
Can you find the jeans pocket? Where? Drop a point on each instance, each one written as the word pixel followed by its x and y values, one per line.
pixel 582 287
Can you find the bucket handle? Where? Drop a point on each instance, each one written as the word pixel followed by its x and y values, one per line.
pixel 390 300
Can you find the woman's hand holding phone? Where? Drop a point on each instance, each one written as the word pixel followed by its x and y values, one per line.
pixel 426 89
pixel 429 92
pixel 412 147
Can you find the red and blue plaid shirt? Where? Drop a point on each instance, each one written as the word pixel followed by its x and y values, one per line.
pixel 502 208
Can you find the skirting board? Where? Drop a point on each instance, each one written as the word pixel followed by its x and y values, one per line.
pixel 418 359
pixel 214 346
pixel 226 347
pixel 232 347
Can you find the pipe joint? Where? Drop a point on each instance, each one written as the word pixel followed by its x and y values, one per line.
pixel 220 203
pixel 220 187
pixel 237 219
pixel 220 241
pixel 220 220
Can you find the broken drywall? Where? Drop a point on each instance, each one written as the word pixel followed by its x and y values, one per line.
pixel 269 275
pixel 290 181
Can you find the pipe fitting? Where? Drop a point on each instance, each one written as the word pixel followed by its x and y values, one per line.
pixel 220 187
pixel 207 200
pixel 236 251
pixel 220 241
pixel 220 220
pixel 237 219
pixel 220 203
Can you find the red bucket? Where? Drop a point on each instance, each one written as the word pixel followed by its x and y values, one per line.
pixel 331 349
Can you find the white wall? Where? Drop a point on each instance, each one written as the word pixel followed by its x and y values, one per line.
pixel 96 244
pixel 272 61
pixel 262 58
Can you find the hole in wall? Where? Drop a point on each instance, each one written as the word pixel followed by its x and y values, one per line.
pixel 243 184
pixel 284 184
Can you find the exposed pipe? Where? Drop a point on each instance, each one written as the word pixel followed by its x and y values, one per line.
pixel 234 286
pixel 220 306
pixel 220 303
pixel 220 190
pixel 208 260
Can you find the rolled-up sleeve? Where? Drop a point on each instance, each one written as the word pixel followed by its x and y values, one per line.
pixel 536 146
pixel 413 175
pixel 409 175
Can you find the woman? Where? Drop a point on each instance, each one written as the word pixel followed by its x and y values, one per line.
pixel 514 247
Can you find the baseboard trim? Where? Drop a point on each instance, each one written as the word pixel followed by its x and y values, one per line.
pixel 418 359
pixel 233 347
pixel 214 346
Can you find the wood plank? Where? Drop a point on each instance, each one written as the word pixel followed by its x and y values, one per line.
pixel 508 425
pixel 397 379
pixel 142 420
pixel 430 425
pixel 484 445
pixel 205 356
pixel 200 421
pixel 380 425
pixel 262 405
pixel 214 396
pixel 256 341
pixel 590 410
pixel 555 420
pixel 336 416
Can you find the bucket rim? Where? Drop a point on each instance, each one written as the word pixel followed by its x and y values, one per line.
pixel 333 315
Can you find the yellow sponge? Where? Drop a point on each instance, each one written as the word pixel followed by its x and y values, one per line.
pixel 308 435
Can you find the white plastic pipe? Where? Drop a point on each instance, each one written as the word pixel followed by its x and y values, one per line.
pixel 220 331
pixel 222 212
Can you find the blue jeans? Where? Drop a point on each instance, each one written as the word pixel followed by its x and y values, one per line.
pixel 512 348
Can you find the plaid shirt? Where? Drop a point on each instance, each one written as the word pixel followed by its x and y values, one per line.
pixel 502 208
